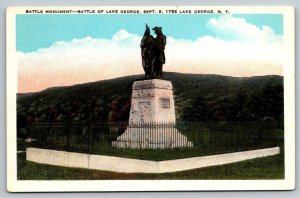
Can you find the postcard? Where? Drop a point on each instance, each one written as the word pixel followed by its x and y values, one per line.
pixel 150 98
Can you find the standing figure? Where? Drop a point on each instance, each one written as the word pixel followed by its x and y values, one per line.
pixel 153 52
pixel 160 42
pixel 147 45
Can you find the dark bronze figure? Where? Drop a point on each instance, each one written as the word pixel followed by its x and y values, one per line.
pixel 153 52
pixel 147 45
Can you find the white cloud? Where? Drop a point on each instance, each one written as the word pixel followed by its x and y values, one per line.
pixel 91 59
pixel 232 28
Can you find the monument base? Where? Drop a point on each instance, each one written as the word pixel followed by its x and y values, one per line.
pixel 151 138
pixel 152 102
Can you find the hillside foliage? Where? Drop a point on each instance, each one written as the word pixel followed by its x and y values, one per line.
pixel 197 98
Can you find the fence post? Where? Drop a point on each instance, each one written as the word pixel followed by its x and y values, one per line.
pixel 140 128
pixel 48 134
pixel 68 136
pixel 90 132
pixel 260 134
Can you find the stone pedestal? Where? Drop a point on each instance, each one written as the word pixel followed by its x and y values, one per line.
pixel 152 118
pixel 152 101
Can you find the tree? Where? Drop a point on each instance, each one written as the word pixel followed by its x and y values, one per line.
pixel 196 110
pixel 267 103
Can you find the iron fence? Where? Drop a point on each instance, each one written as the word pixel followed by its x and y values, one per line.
pixel 155 141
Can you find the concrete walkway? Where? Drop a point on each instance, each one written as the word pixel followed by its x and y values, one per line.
pixel 126 165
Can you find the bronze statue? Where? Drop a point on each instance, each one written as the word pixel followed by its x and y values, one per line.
pixel 153 52
pixel 147 45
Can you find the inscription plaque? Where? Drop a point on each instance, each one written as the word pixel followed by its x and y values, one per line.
pixel 165 103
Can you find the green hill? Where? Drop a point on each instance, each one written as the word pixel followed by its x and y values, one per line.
pixel 197 97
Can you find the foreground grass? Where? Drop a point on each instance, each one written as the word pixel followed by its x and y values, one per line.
pixel 271 167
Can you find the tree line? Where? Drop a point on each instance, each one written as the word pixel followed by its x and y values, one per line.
pixel 197 98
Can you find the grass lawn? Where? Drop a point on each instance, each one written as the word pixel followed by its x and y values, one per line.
pixel 271 167
pixel 208 142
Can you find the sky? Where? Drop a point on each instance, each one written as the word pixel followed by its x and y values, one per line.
pixel 62 50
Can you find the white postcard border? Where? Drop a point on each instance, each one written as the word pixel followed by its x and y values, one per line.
pixel 157 185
